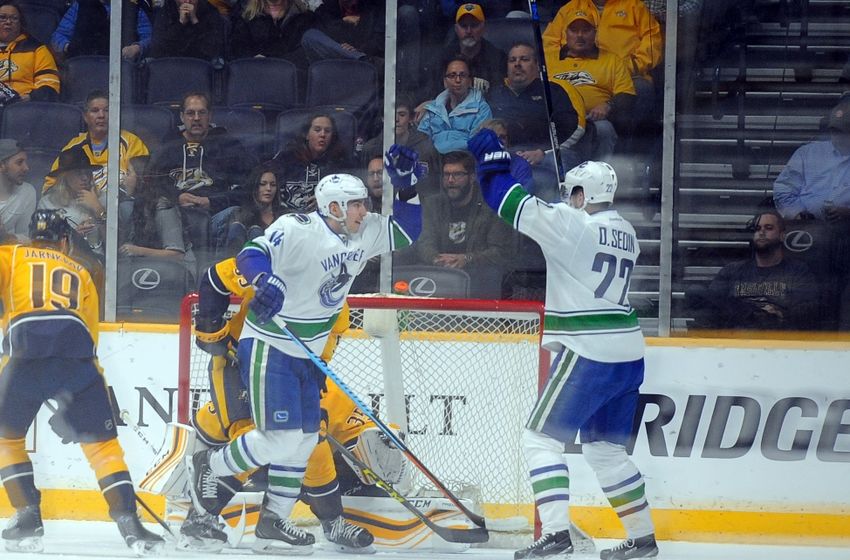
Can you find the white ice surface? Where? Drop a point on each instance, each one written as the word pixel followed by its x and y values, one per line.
pixel 79 540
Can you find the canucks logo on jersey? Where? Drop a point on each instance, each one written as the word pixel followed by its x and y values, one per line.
pixel 333 291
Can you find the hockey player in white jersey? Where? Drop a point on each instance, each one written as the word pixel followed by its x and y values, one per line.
pixel 593 383
pixel 302 270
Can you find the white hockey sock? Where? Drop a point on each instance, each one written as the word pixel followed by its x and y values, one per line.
pixel 285 476
pixel 622 484
pixel 550 480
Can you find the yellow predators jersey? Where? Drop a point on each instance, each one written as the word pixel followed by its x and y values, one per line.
pixel 345 420
pixel 50 304
pixel 596 79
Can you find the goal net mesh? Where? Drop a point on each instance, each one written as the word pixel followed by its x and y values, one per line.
pixel 469 375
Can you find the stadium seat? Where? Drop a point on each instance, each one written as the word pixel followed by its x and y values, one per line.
pixel 151 289
pixel 279 81
pixel 345 83
pixel 41 125
pixel 148 122
pixel 433 281
pixel 504 32
pixel 41 22
pixel 39 162
pixel 169 78
pixel 289 124
pixel 86 73
pixel 246 124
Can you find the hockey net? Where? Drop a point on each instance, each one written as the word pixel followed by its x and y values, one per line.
pixel 465 371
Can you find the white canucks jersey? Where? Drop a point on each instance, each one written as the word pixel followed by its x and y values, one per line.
pixel 589 262
pixel 318 267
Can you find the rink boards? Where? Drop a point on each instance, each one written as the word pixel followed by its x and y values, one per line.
pixel 738 441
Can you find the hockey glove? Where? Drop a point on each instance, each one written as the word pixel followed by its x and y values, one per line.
pixel 268 297
pixel 492 157
pixel 403 166
pixel 218 343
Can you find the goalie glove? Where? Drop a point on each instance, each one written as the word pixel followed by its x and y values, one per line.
pixel 375 449
pixel 217 343
pixel 403 167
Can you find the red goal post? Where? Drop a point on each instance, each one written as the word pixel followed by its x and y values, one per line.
pixel 459 376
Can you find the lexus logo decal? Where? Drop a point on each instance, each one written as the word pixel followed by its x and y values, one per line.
pixel 146 278
pixel 422 286
pixel 798 241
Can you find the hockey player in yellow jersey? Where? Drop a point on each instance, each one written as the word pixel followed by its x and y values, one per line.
pixel 50 330
pixel 227 416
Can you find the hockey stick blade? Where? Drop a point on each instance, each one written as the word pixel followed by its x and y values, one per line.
pixel 474 535
pixel 391 435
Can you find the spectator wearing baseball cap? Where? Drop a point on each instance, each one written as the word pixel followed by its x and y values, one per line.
pixel 816 180
pixel 486 61
pixel 17 197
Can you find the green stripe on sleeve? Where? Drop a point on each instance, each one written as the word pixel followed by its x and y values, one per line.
pixel 510 204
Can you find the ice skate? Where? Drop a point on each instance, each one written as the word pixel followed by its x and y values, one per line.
pixel 204 486
pixel 24 532
pixel 348 537
pixel 643 547
pixel 280 536
pixel 139 539
pixel 550 544
pixel 201 532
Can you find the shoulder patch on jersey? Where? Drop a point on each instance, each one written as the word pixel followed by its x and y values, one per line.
pixel 300 218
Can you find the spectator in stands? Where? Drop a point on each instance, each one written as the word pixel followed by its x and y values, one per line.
pixel 406 134
pixel 29 68
pixel 625 28
pixel 93 144
pixel 768 291
pixel 460 231
pixel 347 29
pixel 272 28
pixel 520 168
pixel 75 193
pixel 191 28
pixel 261 208
pixel 84 30
pixel 520 102
pixel 156 228
pixel 816 180
pixel 17 197
pixel 316 151
pixel 486 61
pixel 205 165
pixel 454 116
pixel 600 77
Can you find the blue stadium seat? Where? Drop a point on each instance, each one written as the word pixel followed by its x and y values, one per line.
pixel 504 32
pixel 345 83
pixel 279 79
pixel 41 22
pixel 39 162
pixel 84 73
pixel 169 78
pixel 245 124
pixel 41 125
pixel 289 124
pixel 148 122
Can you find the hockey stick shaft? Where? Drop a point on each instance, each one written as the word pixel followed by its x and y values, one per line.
pixel 142 503
pixel 547 92
pixel 397 441
pixel 474 535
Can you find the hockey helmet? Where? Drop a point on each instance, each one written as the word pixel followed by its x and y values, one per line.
pixel 49 226
pixel 340 188
pixel 596 178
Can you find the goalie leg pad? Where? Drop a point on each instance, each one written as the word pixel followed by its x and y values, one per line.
pixel 167 476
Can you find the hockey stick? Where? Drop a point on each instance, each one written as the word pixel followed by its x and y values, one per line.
pixel 397 441
pixel 474 535
pixel 547 92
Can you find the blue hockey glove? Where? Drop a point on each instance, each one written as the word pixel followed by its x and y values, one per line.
pixel 268 297
pixel 403 166
pixel 492 157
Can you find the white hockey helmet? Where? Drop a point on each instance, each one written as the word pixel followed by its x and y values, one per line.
pixel 340 188
pixel 596 178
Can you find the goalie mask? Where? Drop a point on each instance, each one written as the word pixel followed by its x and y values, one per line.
pixel 340 188
pixel 375 449
pixel 597 179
